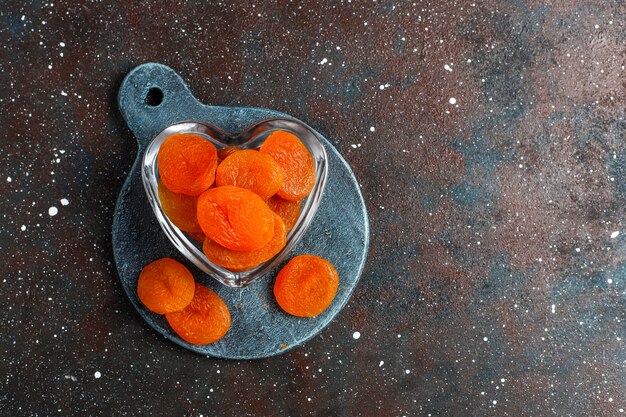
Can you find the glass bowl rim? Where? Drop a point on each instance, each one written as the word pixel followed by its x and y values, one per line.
pixel 248 138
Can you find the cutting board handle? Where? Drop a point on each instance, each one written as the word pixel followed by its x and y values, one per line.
pixel 152 97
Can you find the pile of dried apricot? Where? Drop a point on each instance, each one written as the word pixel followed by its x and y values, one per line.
pixel 240 204
pixel 197 314
pixel 305 287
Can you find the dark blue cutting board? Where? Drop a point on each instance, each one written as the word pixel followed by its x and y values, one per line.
pixel 153 97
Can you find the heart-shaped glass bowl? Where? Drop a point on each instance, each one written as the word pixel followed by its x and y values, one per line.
pixel 251 138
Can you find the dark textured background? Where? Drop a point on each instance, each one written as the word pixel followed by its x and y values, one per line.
pixel 493 285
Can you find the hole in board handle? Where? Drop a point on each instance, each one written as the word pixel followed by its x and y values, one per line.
pixel 154 97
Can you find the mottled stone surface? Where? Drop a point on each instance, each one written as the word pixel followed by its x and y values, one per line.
pixel 496 278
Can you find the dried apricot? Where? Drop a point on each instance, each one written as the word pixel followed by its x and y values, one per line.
pixel 252 170
pixel 240 261
pixel 289 211
pixel 187 163
pixel 226 152
pixel 165 286
pixel 295 160
pixel 180 209
pixel 198 236
pixel 205 320
pixel 306 286
pixel 235 218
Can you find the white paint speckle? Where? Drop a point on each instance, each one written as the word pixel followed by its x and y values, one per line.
pixel 23 18
pixel 495 402
pixel 609 281
pixel 502 380
pixel 9 179
pixel 614 234
pixel 65 201
pixel 53 211
pixel 485 338
pixel 372 129
pixel 356 335
pixel 62 44
pixel 447 67
pixel 553 308
pixel 381 363
pixel 383 86
pixel 577 249
pixel 23 228
pixel 323 61
pixel 452 100
pixel 63 93
pixel 97 374
pixel 408 371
